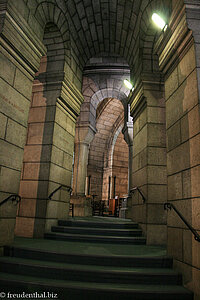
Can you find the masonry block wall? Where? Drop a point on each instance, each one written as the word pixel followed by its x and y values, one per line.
pixel 182 130
pixel 183 141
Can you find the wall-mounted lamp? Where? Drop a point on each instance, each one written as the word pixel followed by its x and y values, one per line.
pixel 128 84
pixel 159 21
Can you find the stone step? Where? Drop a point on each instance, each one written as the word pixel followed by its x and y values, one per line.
pixel 97 231
pixel 98 223
pixel 89 273
pixel 96 238
pixel 74 290
pixel 147 261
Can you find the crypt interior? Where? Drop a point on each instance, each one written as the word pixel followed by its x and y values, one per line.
pixel 73 135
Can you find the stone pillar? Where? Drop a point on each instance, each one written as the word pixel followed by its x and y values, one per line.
pixel 111 187
pixel 128 137
pixel 80 168
pixel 149 158
pixel 48 154
pixel 18 64
pixel 84 136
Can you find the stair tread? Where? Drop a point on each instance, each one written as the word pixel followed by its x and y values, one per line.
pixel 99 219
pixel 96 222
pixel 100 229
pixel 96 268
pixel 98 236
pixel 140 288
pixel 135 251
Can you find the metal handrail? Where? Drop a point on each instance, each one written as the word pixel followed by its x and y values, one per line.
pixel 137 188
pixel 168 205
pixel 61 186
pixel 14 197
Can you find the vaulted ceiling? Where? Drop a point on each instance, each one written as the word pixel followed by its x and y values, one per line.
pixel 111 26
pixel 100 26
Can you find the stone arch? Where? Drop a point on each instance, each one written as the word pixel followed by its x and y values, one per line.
pixel 114 139
pixel 143 56
pixel 117 128
pixel 149 34
pixel 48 12
pixel 120 94
pixel 109 125
pixel 115 175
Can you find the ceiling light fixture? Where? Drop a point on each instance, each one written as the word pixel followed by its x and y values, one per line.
pixel 159 21
pixel 128 84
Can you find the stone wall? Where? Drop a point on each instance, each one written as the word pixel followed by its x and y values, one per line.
pixel 183 139
pixel 183 155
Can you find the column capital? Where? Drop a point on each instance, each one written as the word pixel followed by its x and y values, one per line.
pixel 84 133
pixel 128 132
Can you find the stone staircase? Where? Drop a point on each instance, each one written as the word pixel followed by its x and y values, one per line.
pixel 97 232
pixel 94 258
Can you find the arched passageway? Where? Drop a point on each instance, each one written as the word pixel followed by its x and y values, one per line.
pixel 87 49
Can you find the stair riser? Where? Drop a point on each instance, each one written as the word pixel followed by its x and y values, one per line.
pixel 123 261
pixel 72 293
pixel 89 276
pixel 89 231
pixel 95 239
pixel 97 225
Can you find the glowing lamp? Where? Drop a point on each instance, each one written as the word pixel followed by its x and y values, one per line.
pixel 128 84
pixel 159 21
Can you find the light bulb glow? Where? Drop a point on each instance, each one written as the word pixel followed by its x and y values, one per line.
pixel 128 84
pixel 158 21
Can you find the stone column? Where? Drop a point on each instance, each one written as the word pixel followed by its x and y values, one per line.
pixel 84 136
pixel 48 154
pixel 128 137
pixel 19 63
pixel 112 187
pixel 149 158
